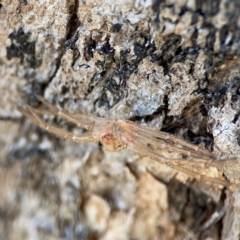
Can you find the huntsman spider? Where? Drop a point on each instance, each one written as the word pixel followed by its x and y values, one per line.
pixel 117 134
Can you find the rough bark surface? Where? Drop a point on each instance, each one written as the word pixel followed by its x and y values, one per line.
pixel 170 65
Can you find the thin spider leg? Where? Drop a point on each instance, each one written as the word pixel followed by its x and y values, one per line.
pixel 191 162
pixel 159 143
pixel 221 163
pixel 83 138
pixel 44 112
pixel 196 175
pixel 79 116
pixel 144 150
pixel 22 110
pixel 175 139
pixel 86 117
pixel 56 110
pixel 80 123
pixel 48 104
pixel 77 119
pixel 141 148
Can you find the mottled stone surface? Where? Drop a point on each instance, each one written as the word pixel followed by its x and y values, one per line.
pixel 170 65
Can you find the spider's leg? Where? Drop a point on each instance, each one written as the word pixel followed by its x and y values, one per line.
pixel 48 104
pixel 33 115
pixel 57 131
pixel 22 110
pixel 56 111
pixel 156 156
pixel 141 148
pixel 199 176
pixel 159 144
pixel 166 136
pixel 80 120
pixel 221 163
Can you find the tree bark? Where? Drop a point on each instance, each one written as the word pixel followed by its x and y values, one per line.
pixel 169 65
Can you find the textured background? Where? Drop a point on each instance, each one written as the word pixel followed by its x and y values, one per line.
pixel 170 65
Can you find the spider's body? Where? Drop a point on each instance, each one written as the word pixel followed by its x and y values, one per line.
pixel 117 134
pixel 111 135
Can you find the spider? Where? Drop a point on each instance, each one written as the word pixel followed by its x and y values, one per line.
pixel 117 134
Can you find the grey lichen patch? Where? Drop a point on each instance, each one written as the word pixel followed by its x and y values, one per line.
pixel 183 86
pixel 147 88
pixel 225 131
pixel 225 119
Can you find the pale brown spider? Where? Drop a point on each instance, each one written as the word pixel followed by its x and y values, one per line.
pixel 117 134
